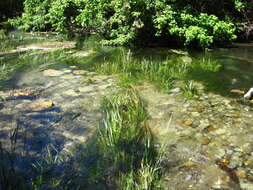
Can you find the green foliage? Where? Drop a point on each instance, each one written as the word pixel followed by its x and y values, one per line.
pixel 189 89
pixel 240 5
pixel 164 74
pixel 42 15
pixel 201 29
pixel 2 34
pixel 35 16
pixel 62 15
pixel 126 141
pixel 125 22
pixel 118 20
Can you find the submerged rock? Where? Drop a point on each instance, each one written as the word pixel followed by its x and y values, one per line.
pixel 52 73
pixel 47 46
pixel 71 93
pixel 41 104
pixel 187 122
pixel 246 185
pixel 174 90
pixel 68 76
pixel 178 52
pixel 80 72
pixel 62 113
pixel 85 89
pixel 237 91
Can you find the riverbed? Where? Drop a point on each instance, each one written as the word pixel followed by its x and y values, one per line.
pixel 51 96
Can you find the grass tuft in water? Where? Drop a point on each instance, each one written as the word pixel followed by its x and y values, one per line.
pixel 124 155
pixel 162 73
pixel 206 65
pixel 189 89
pixel 45 168
pixel 127 145
pixel 133 70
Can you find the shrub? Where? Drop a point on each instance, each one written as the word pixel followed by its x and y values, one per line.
pixel 123 22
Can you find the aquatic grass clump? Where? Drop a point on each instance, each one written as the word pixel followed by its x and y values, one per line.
pixel 148 178
pixel 162 73
pixel 206 65
pixel 40 175
pixel 44 170
pixel 157 72
pixel 127 143
pixel 189 89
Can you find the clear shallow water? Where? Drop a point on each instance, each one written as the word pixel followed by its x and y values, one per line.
pixel 78 90
pixel 236 63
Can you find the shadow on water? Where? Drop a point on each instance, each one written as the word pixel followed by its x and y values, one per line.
pixel 85 168
pixel 22 171
pixel 94 165
pixel 25 142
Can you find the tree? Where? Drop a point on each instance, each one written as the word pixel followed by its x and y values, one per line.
pixel 199 23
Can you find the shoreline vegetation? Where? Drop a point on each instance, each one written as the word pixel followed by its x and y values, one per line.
pixel 140 23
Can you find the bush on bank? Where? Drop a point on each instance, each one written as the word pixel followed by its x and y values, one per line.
pixel 123 22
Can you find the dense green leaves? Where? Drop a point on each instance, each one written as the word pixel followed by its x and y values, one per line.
pixel 35 16
pixel 122 22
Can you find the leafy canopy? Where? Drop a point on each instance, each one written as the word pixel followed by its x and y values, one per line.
pixel 122 22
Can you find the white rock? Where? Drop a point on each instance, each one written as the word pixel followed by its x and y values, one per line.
pixel 67 71
pixel 174 90
pixel 249 94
